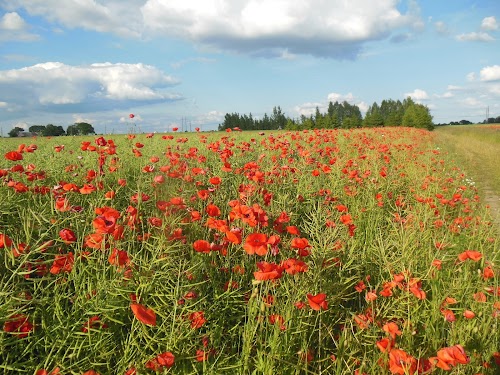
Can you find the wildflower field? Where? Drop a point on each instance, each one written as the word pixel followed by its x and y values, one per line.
pixel 361 251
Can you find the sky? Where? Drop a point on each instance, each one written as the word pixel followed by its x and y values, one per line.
pixel 186 63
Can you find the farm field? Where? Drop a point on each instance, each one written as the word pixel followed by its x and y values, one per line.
pixel 366 251
pixel 477 148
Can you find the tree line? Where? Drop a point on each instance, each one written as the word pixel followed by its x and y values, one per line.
pixel 50 130
pixel 339 115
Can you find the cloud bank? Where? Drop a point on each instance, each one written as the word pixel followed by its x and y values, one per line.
pixel 325 28
pixel 57 87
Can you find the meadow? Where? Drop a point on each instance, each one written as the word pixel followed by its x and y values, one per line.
pixel 365 251
pixel 477 149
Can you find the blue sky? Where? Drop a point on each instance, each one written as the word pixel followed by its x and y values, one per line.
pixel 175 62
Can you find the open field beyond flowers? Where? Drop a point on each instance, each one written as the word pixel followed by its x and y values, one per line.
pixel 477 149
pixel 313 252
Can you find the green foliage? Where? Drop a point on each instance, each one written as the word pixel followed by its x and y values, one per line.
pixel 377 207
pixel 38 129
pixel 53 131
pixel 15 132
pixel 80 128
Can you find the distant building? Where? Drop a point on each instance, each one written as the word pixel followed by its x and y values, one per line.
pixel 26 134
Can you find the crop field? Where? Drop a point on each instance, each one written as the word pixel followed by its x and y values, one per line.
pixel 365 251
pixel 477 149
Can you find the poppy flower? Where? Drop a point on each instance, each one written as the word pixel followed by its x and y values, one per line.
pixel 166 359
pixel 14 156
pixel 256 243
pixel 67 235
pixel 131 115
pixel 5 241
pixel 268 271
pixel 119 258
pixel 215 180
pixel 449 357
pixel 62 263
pixel 144 314
pixel 201 246
pixel 401 362
pixel 212 210
pixel 470 254
pixel 197 319
pixel 318 301
pixel 18 324
pixel 385 344
pixel 468 314
pixel 392 329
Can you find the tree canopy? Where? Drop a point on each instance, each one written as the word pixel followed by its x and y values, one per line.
pixel 339 115
pixel 80 128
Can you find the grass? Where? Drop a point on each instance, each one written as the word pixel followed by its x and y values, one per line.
pixel 315 252
pixel 477 149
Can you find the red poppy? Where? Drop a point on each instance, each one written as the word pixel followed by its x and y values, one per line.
pixel 212 210
pixel 470 254
pixel 392 329
pixel 131 115
pixel 14 156
pixel 5 241
pixel 166 359
pixel 19 325
pixel 449 357
pixel 268 271
pixel 215 180
pixel 401 362
pixel 256 243
pixel 144 314
pixel 293 266
pixel 87 189
pixel 62 263
pixel 318 301
pixel 201 246
pixel 67 235
pixel 94 323
pixel 45 372
pixel 385 344
pixel 302 246
pixel 119 258
pixel 468 314
pixel 197 319
pixel 292 229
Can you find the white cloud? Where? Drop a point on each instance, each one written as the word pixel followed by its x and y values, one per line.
pixel 471 77
pixel 417 94
pixel 330 28
pixel 471 102
pixel 3 104
pixel 336 97
pixel 54 84
pixel 363 107
pixel 309 108
pixel 14 28
pixel 454 87
pixel 475 37
pixel 127 119
pixel 441 28
pixel 12 21
pixel 119 17
pixel 489 23
pixel 490 73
